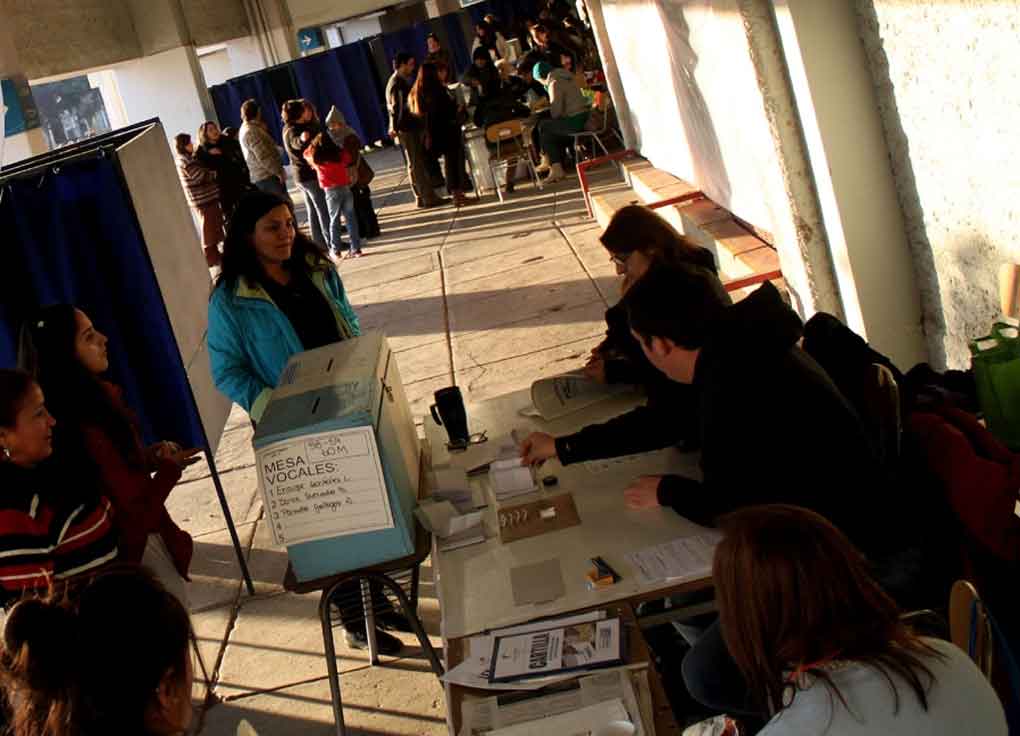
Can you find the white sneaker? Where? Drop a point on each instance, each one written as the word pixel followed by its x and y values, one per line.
pixel 543 164
pixel 556 173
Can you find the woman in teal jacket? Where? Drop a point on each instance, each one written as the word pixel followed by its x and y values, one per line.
pixel 277 295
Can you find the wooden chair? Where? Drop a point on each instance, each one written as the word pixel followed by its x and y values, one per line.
pixel 511 149
pixel 969 625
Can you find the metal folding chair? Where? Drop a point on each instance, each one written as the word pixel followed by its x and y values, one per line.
pixel 511 149
pixel 604 108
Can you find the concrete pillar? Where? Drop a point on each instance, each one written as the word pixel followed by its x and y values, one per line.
pixel 169 85
pixel 436 8
pixel 849 162
pixel 31 141
pixel 273 29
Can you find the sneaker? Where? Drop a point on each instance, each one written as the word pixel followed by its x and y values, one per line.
pixel 385 643
pixel 355 254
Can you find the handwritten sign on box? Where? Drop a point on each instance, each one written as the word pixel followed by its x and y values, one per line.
pixel 324 485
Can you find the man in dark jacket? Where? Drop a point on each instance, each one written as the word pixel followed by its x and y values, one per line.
pixel 407 129
pixel 773 427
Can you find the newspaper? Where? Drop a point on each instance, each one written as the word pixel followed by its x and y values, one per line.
pixel 564 648
pixel 473 672
pixel 557 396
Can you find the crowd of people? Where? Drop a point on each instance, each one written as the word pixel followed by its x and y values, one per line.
pixel 329 168
pixel 810 582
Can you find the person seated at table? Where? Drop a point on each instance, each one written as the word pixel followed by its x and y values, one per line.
pixel 568 114
pixel 524 85
pixel 636 239
pixel 807 640
pixel 114 658
pixel 772 426
pixel 542 47
pixel 432 103
pixel 69 358
pixel 54 525
pixel 483 77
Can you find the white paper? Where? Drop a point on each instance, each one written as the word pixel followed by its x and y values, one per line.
pixel 687 557
pixel 443 520
pixel 511 478
pixel 324 485
pixel 581 722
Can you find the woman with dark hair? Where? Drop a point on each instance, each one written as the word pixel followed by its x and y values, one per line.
pixel 431 102
pixel 54 525
pixel 277 295
pixel 489 39
pixel 636 239
pixel 203 195
pixel 332 165
pixel 112 659
pixel 69 358
pixel 819 647
pixel 483 76
pixel 224 156
pixel 301 125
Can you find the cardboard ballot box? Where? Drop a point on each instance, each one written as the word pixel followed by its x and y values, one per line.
pixel 337 456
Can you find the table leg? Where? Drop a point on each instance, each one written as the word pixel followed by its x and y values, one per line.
pixel 331 669
pixel 412 616
pixel 368 605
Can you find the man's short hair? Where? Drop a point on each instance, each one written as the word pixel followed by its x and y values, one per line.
pixel 249 110
pixel 402 58
pixel 681 303
pixel 292 111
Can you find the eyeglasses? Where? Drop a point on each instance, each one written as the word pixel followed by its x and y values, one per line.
pixel 620 259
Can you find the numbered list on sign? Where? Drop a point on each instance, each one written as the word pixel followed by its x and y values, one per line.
pixel 324 485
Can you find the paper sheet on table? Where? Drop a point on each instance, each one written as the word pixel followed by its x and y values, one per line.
pixel 687 557
pixel 580 722
pixel 452 484
pixel 511 477
pixel 474 670
pixel 443 520
pixel 481 715
pixel 537 583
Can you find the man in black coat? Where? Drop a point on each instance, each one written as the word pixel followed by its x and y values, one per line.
pixel 773 427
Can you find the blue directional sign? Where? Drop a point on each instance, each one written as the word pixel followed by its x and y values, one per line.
pixel 311 39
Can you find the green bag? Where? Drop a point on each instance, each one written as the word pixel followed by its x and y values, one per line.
pixel 995 361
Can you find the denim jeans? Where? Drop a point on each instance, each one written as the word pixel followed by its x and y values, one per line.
pixel 318 212
pixel 341 200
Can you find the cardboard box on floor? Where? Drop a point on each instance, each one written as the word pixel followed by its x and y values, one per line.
pixel 337 456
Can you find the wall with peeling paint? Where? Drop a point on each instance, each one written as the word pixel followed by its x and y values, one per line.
pixel 947 76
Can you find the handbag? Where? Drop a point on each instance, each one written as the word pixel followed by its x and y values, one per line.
pixel 995 361
pixel 365 172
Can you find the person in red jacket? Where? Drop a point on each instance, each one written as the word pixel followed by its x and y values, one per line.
pixel 68 356
pixel 331 165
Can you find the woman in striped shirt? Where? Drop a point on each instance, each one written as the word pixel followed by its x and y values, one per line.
pixel 51 529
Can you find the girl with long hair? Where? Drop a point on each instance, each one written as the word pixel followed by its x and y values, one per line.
pixel 113 658
pixel 431 102
pixel 820 648
pixel 69 356
pixel 332 165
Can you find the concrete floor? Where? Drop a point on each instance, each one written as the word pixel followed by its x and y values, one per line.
pixel 491 297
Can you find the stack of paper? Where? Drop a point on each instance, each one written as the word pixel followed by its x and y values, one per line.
pixel 511 477
pixel 685 558
pixel 452 528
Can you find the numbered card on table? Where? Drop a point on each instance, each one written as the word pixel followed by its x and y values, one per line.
pixel 324 485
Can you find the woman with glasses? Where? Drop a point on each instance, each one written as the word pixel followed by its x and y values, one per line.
pixel 636 240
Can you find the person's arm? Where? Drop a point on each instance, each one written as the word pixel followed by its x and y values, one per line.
pixel 642 429
pixel 136 495
pixel 231 370
pixel 195 174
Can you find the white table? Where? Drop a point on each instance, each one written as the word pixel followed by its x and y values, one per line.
pixel 473 582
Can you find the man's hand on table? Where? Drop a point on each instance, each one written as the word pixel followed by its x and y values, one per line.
pixel 643 493
pixel 537 447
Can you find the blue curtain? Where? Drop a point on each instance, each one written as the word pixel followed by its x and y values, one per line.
pixel 71 235
pixel 228 105
pixel 411 40
pixel 358 67
pixel 321 81
pixel 459 44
